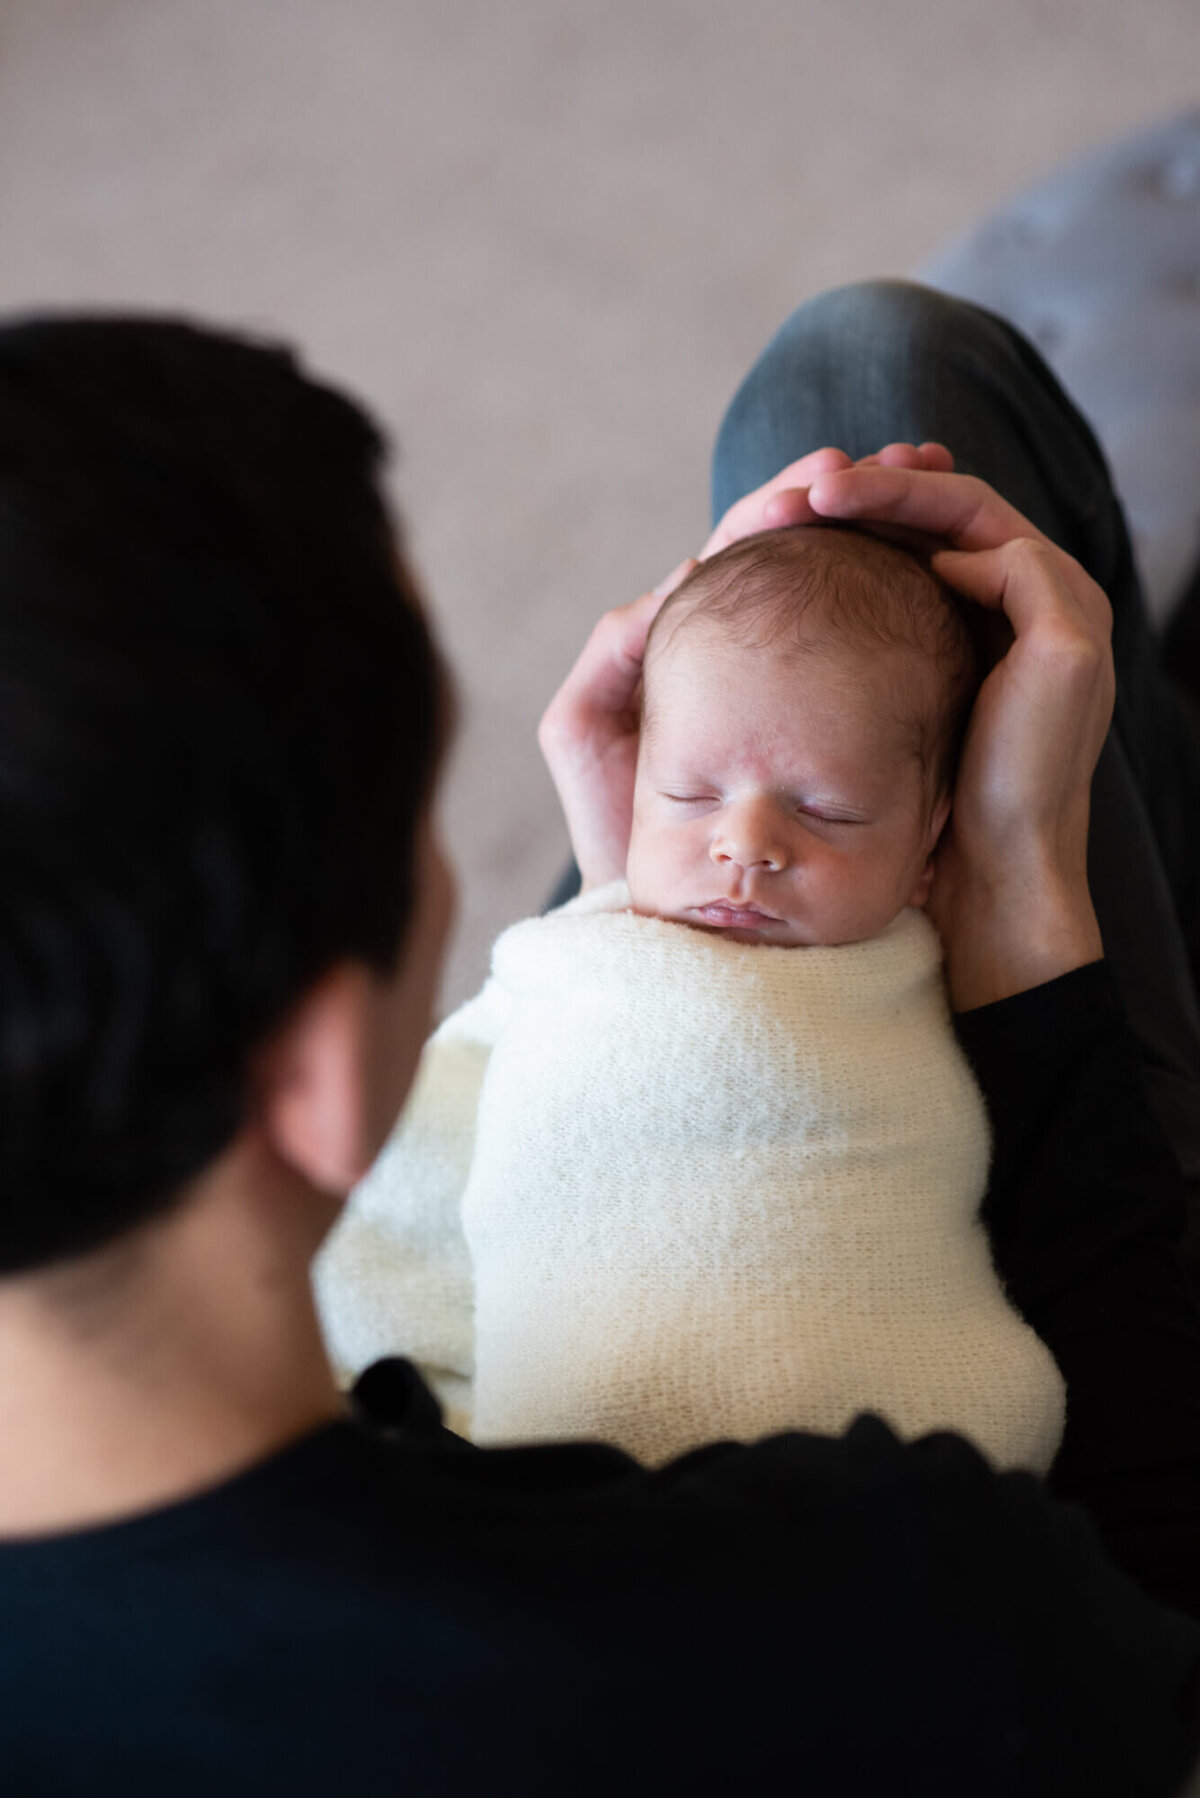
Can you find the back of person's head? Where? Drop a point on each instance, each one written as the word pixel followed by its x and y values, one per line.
pixel 813 588
pixel 220 711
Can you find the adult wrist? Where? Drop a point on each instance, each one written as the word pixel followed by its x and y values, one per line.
pixel 1006 937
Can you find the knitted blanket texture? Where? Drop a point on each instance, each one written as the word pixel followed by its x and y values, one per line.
pixel 657 1187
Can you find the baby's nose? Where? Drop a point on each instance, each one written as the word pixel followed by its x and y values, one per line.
pixel 751 838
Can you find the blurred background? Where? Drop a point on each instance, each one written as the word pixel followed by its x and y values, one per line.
pixel 543 239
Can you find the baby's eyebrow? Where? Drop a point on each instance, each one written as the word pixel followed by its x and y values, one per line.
pixel 685 777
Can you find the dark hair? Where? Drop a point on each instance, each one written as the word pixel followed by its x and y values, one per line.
pixel 220 717
pixel 816 584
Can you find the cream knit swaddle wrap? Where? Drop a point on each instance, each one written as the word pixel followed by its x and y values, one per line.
pixel 717 1189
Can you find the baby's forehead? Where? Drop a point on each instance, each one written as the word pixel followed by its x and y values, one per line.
pixel 701 652
pixel 717 700
pixel 742 709
pixel 811 584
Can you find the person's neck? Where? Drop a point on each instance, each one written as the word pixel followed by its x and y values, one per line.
pixel 153 1370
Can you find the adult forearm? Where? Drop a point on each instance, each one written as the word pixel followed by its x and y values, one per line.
pixel 1084 1206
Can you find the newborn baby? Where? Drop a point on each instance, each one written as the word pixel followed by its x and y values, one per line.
pixel 703 1158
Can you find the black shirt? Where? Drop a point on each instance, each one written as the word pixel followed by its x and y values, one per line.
pixel 383 1609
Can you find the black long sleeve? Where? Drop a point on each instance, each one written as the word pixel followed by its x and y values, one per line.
pixel 381 1607
pixel 1085 1206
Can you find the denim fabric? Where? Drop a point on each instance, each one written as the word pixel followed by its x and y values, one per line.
pixel 883 361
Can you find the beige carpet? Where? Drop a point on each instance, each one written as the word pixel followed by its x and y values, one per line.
pixel 543 238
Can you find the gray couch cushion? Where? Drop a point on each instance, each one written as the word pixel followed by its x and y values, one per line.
pixel 1100 266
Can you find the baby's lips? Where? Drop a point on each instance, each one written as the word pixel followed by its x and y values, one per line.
pixel 736 911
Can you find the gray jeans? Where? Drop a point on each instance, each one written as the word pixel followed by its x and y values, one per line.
pixel 888 360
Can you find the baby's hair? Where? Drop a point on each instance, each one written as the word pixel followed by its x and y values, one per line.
pixel 813 586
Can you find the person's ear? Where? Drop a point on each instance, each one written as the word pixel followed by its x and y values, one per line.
pixel 937 824
pixel 311 1082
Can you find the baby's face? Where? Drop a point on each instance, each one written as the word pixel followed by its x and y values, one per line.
pixel 777 798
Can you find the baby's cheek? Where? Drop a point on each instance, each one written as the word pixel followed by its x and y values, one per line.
pixel 657 868
pixel 639 864
pixel 849 893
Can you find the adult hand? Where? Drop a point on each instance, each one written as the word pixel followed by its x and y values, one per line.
pixel 1010 894
pixel 589 732
pixel 783 500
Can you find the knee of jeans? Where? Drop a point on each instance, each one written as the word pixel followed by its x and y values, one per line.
pixel 882 316
pixel 838 371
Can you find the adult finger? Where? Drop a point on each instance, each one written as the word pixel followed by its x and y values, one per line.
pixel 747 515
pixel 676 577
pixel 934 456
pixel 791 506
pixel 787 507
pixel 900 455
pixel 959 509
pixel 603 682
pixel 1032 581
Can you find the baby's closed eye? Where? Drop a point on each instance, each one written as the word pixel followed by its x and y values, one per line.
pixel 830 814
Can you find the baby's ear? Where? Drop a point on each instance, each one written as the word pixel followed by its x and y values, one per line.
pixel 937 824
